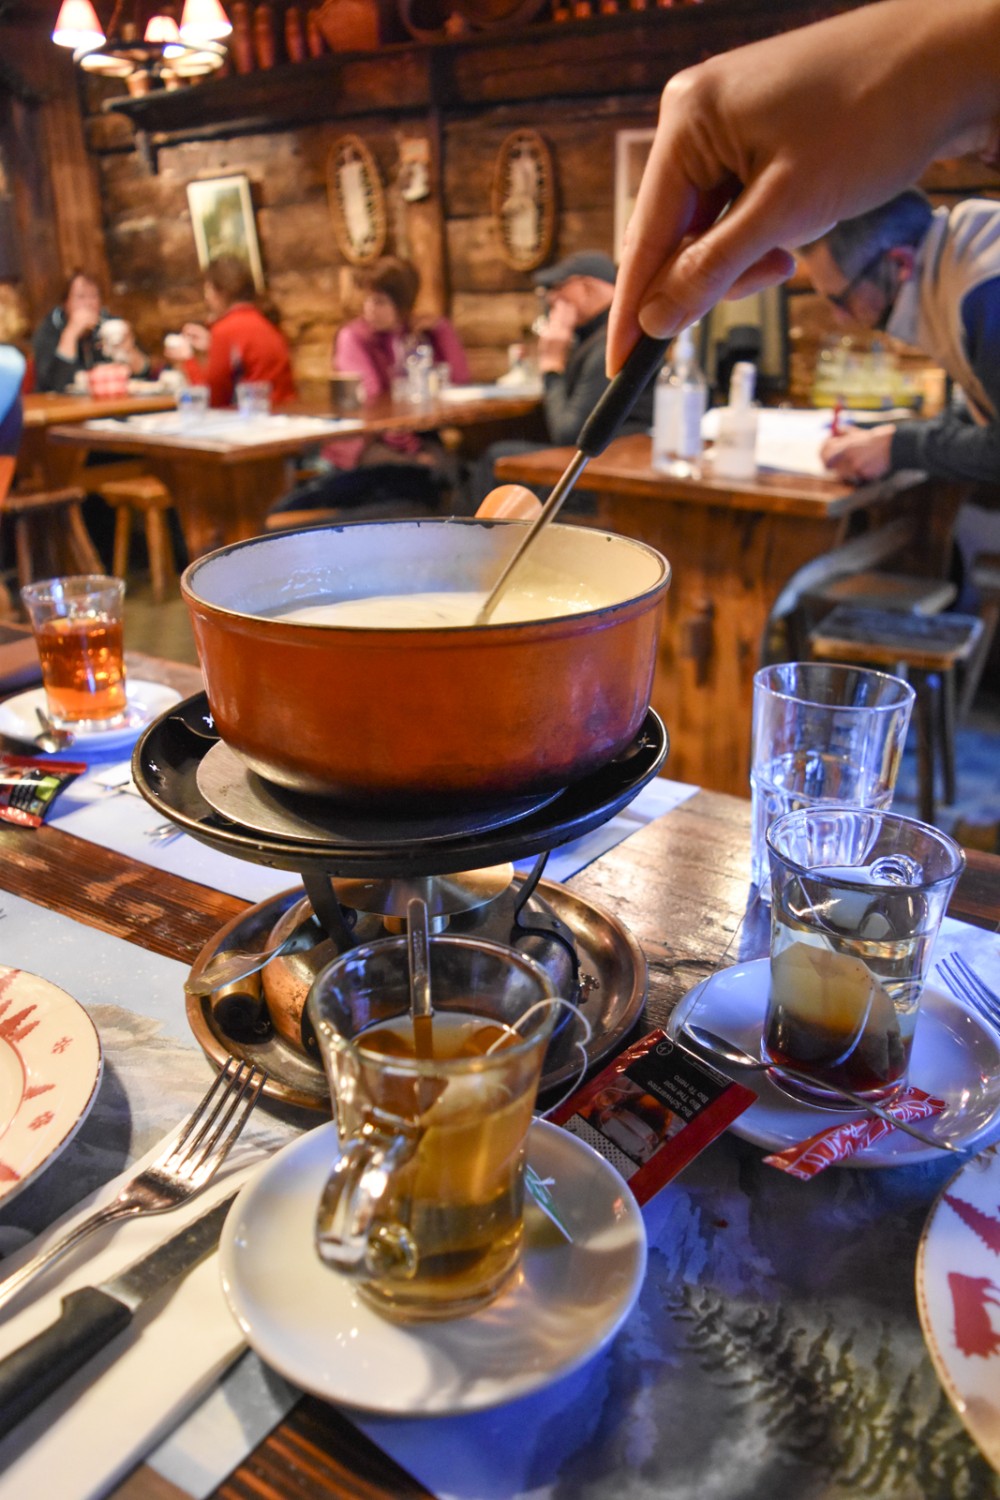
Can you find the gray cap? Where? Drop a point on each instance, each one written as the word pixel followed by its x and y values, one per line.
pixel 581 263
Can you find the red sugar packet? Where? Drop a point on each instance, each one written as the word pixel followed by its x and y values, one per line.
pixel 842 1141
pixel 652 1110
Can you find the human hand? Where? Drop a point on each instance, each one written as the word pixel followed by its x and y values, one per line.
pixel 782 133
pixel 555 337
pixel 197 336
pixel 860 455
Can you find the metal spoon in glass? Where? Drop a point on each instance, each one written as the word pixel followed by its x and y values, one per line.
pixel 710 1041
pixel 418 960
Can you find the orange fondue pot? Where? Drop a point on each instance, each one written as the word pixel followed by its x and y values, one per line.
pixel 422 716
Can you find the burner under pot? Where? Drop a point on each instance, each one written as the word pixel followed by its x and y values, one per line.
pixel 590 958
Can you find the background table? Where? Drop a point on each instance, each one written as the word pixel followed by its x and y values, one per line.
pixel 733 548
pixel 52 467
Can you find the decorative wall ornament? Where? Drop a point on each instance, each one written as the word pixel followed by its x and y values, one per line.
pixel 524 200
pixel 632 149
pixel 357 202
pixel 223 223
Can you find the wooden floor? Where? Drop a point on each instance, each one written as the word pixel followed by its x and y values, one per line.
pixel 160 629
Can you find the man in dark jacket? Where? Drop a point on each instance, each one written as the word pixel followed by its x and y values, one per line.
pixel 571 357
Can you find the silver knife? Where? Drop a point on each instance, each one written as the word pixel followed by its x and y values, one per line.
pixel 92 1316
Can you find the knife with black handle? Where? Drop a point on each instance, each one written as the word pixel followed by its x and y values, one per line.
pixel 94 1315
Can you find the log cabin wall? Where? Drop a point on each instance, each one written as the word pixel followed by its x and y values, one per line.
pixel 108 177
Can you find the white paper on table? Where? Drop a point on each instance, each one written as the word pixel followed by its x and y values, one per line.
pixel 788 439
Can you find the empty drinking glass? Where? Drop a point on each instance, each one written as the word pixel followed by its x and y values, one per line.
pixel 822 733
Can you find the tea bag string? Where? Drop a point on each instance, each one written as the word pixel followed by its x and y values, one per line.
pixel 581 1045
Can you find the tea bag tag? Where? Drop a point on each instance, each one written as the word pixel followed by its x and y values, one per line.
pixel 538 1191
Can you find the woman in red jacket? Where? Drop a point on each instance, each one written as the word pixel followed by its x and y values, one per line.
pixel 240 342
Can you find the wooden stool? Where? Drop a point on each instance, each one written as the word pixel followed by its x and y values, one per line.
pixel 895 591
pixel 985 579
pixel 50 535
pixel 924 648
pixel 146 494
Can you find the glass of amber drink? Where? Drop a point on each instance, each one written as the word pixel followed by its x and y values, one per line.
pixel 77 624
pixel 424 1205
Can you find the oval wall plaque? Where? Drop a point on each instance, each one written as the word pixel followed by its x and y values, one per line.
pixel 524 200
pixel 357 202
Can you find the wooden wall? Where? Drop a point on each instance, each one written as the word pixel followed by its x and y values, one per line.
pixel 98 189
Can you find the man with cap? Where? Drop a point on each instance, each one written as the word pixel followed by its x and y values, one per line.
pixel 571 357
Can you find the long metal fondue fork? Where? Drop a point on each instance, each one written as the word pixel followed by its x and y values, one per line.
pixel 603 424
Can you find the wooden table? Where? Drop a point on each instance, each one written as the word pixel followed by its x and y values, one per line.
pixel 224 489
pixel 680 884
pixel 733 548
pixel 54 467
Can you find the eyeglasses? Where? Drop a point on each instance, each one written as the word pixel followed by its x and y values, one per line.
pixel 842 298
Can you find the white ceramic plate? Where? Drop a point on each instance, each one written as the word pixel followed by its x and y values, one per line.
pixel 958 1298
pixel 146 700
pixel 50 1067
pixel 309 1323
pixel 955 1056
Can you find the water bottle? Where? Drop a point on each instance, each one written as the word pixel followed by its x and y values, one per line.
pixel 734 455
pixel 679 403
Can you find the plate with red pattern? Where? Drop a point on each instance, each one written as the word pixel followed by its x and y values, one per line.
pixel 958 1296
pixel 50 1069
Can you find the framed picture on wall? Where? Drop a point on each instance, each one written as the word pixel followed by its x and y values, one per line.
pixel 631 153
pixel 223 222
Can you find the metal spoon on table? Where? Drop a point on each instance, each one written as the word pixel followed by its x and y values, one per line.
pixel 51 739
pixel 603 424
pixel 710 1041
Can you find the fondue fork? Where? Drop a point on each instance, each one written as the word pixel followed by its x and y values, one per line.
pixel 603 424
pixel 187 1163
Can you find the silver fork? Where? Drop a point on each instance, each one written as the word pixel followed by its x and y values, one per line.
pixel 188 1162
pixel 967 983
pixel 163 833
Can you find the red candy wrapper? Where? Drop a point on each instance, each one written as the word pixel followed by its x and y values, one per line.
pixel 652 1110
pixel 29 787
pixel 842 1141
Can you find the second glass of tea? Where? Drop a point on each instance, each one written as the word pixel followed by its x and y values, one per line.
pixel 424 1205
pixel 77 624
pixel 857 901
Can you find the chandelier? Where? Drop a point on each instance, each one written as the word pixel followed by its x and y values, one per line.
pixel 161 50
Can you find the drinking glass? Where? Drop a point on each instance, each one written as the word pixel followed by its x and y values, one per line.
pixel 253 398
pixel 424 1206
pixel 192 403
pixel 822 733
pixel 857 899
pixel 77 624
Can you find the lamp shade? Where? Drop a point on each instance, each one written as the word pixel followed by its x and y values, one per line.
pixel 204 21
pixel 160 28
pixel 77 26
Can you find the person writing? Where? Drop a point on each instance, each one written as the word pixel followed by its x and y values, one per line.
pixel 240 341
pixel 68 340
pixel 931 279
pixel 791 135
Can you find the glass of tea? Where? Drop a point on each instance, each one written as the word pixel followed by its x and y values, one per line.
pixel 822 733
pixel 424 1206
pixel 77 624
pixel 857 899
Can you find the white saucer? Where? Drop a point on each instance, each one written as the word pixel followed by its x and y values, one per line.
pixel 50 1067
pixel 955 1056
pixel 309 1323
pixel 146 700
pixel 958 1298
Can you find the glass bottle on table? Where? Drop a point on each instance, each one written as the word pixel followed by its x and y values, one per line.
pixel 679 403
pixel 734 455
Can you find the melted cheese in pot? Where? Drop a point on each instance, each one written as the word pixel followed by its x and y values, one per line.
pixel 441 607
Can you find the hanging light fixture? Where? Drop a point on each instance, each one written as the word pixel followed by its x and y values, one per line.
pixel 161 50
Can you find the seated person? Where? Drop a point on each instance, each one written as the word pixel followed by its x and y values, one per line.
pixel 374 347
pixel 571 354
pixel 68 340
pixel 241 342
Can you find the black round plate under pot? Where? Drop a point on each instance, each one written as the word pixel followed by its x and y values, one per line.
pixel 165 766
